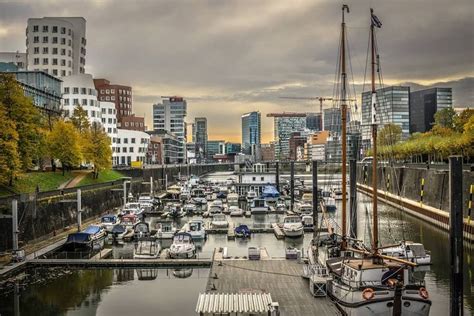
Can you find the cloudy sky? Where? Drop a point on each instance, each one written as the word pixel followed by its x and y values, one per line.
pixel 228 57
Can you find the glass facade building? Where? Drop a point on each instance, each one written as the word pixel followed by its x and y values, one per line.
pixel 313 122
pixel 284 127
pixel 200 137
pixel 393 107
pixel 424 104
pixel 232 148
pixel 215 147
pixel 251 131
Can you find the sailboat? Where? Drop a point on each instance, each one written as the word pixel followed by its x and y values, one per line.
pixel 363 281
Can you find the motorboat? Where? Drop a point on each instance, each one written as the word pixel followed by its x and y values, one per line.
pixel 304 208
pixel 233 199
pixel 242 231
pixel 109 221
pixel 307 221
pixel 118 231
pixel 195 228
pixel 97 232
pixel 222 195
pixel 219 221
pixel 292 226
pixel 197 192
pixel 247 214
pixel 175 210
pixel 165 229
pixel 235 211
pixel 183 246
pixel 190 208
pixel 259 206
pixel 193 181
pixel 129 220
pixel 251 195
pixel 199 200
pixel 90 238
pixel 215 207
pixel 147 248
pixel 280 207
pixel 270 193
pixel 330 204
pixel 408 250
pixel 141 230
pixel 131 208
pixel 185 195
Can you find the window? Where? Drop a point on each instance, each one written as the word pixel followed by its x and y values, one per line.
pixel 55 50
pixel 69 53
pixel 84 101
pixel 110 120
pixel 69 63
pixel 125 140
pixel 253 178
pixel 63 30
pixel 35 28
pixel 109 130
pixel 126 124
pixel 63 62
pixel 63 73
pixel 103 120
pixel 66 90
pixel 36 50
pixel 110 111
pixel 124 149
pixel 83 91
pixel 45 50
pixel 261 178
pixel 55 61
pixel 91 102
pixel 118 140
pixel 45 39
pixel 131 149
pixel 63 41
pixel 118 150
pixel 112 98
pixel 55 29
pixel 66 101
pixel 55 40
pixel 93 113
pixel 107 98
pixel 45 28
pixel 69 31
pixel 63 52
pixel 133 140
pixel 75 90
pixel 75 101
pixel 69 43
pixel 112 91
pixel 107 91
pixel 36 39
pixel 45 61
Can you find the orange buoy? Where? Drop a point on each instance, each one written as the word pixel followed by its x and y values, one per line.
pixel 423 293
pixel 368 293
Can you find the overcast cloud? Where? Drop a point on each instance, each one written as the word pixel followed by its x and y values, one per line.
pixel 230 57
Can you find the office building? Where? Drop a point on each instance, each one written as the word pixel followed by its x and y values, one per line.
pixel 170 116
pixel 267 151
pixel 314 121
pixel 232 148
pixel 121 96
pixel 56 45
pixel 171 146
pixel 334 147
pixel 251 132
pixel 316 146
pixel 80 90
pixel 215 147
pixel 131 146
pixel 154 152
pixel 392 107
pixel 44 89
pixel 200 138
pixel 296 144
pixel 16 58
pixel 332 119
pixel 284 125
pixel 424 104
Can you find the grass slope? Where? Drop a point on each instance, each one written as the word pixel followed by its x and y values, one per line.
pixel 45 180
pixel 104 176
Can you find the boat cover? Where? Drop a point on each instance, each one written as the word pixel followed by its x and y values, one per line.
pixel 118 229
pixel 78 238
pixel 270 192
pixel 108 218
pixel 242 230
pixel 92 230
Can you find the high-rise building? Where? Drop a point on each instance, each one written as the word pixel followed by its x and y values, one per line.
pixel 284 125
pixel 424 104
pixel 313 121
pixel 171 146
pixel 80 90
pixel 170 116
pixel 232 148
pixel 332 119
pixel 392 107
pixel 200 137
pixel 251 131
pixel 267 151
pixel 16 58
pixel 215 147
pixel 121 96
pixel 56 45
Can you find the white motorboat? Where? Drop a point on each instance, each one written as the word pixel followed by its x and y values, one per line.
pixel 131 208
pixel 147 249
pixel 236 211
pixel 259 206
pixel 304 208
pixel 195 228
pixel 409 250
pixel 215 207
pixel 199 200
pixel 165 229
pixel 233 199
pixel 307 198
pixel 219 221
pixel 109 221
pixel 189 208
pixel 183 246
pixel 292 226
pixel 280 207
pixel 129 220
pixel 307 220
pixel 251 195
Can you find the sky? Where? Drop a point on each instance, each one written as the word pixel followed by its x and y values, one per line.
pixel 235 56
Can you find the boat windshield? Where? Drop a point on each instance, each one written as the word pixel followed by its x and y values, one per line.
pixel 292 220
pixel 108 219
pixel 182 239
pixel 219 217
pixel 259 203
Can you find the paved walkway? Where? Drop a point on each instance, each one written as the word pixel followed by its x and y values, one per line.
pixel 71 183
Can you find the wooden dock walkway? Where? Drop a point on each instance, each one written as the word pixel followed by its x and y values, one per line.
pixel 277 231
pixel 231 231
pixel 281 278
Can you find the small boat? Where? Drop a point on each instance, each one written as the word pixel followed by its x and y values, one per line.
pixel 270 193
pixel 280 207
pixel 251 195
pixel 292 226
pixel 307 198
pixel 197 192
pixel 90 238
pixel 118 231
pixel 109 221
pixel 307 220
pixel 219 221
pixel 198 200
pixel 248 214
pixel 183 246
pixel 175 210
pixel 190 208
pixel 330 204
pixel 147 249
pixel 242 231
pixel 259 206
pixel 215 207
pixel 184 195
pixel 141 230
pixel 222 195
pixel 304 208
pixel 195 228
pixel 233 198
pixel 129 220
pixel 235 211
pixel 165 229
pixel 409 250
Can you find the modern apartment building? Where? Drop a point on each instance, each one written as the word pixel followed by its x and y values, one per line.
pixel 424 104
pixel 79 90
pixel 170 146
pixel 284 125
pixel 251 132
pixel 200 138
pixel 170 116
pixel 56 45
pixel 393 107
pixel 131 146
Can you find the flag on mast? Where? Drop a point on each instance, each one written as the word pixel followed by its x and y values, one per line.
pixel 375 21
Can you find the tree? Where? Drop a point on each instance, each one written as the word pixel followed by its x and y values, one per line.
pixel 63 144
pixel 80 119
pixel 461 119
pixel 21 110
pixel 97 149
pixel 9 158
pixel 389 135
pixel 445 118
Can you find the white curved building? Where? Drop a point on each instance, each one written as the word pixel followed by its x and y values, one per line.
pixel 80 89
pixel 56 45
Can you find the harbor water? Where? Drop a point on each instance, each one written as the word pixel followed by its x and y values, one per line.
pixel 175 291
